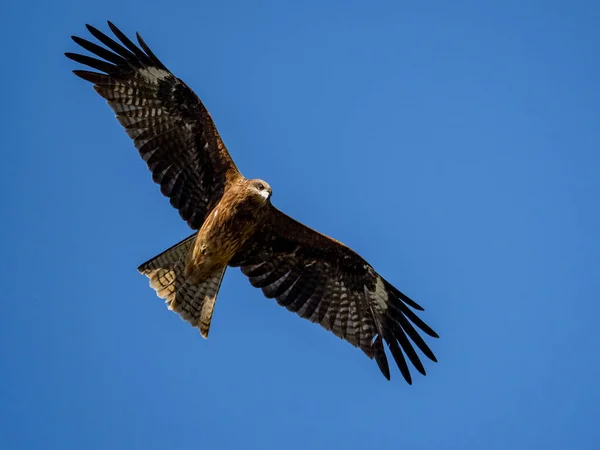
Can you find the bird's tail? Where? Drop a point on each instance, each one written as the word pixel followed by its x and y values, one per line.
pixel 194 302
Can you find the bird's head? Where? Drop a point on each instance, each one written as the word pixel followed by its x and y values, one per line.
pixel 260 189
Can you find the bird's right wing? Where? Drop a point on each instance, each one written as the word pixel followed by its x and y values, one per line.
pixel 168 123
pixel 328 283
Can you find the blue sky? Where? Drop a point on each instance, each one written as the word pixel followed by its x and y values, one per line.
pixel 455 145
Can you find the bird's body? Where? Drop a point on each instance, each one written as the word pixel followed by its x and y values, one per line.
pixel 235 223
pixel 227 228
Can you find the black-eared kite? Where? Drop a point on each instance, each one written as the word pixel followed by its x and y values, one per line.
pixel 234 222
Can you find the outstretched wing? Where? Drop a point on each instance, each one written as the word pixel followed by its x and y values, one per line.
pixel 168 123
pixel 326 282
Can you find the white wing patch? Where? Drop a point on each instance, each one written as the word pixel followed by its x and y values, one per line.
pixel 380 295
pixel 153 74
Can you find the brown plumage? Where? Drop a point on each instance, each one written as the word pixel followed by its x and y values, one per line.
pixel 309 273
pixel 228 227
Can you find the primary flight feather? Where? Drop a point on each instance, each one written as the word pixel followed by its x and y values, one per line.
pixel 236 225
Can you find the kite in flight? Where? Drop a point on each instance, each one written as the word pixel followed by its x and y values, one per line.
pixel 235 223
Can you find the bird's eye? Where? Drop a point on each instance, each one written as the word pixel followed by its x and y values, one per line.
pixel 261 187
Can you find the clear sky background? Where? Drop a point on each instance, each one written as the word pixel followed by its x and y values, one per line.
pixel 455 145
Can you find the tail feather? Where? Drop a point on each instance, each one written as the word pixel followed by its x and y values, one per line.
pixel 194 302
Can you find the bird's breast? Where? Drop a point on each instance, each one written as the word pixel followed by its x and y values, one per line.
pixel 226 229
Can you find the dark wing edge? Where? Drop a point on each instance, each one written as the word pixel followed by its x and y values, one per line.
pixel 168 123
pixel 326 282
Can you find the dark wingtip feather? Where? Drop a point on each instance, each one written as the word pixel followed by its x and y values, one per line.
pixel 409 351
pixel 404 326
pixel 149 52
pixel 94 63
pixel 99 51
pixel 426 328
pixel 380 358
pixel 129 56
pixel 405 298
pixel 410 302
pixel 127 43
pixel 400 360
pixel 403 310
pixel 88 76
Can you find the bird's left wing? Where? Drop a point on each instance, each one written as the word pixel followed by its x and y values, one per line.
pixel 168 123
pixel 326 282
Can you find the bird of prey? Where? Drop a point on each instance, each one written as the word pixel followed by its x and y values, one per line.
pixel 235 223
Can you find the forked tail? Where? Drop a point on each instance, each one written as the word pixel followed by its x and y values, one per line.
pixel 194 302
